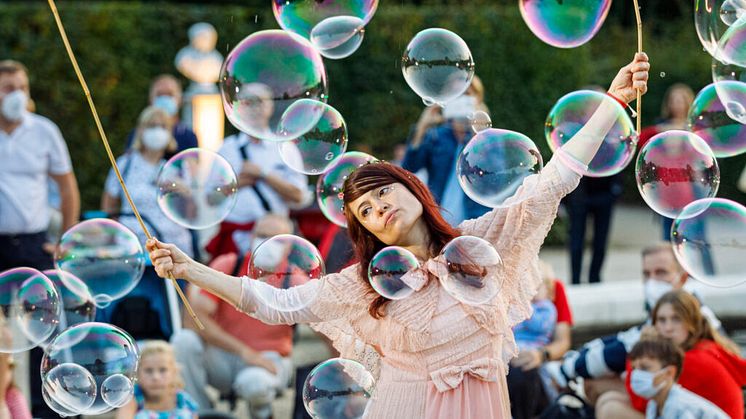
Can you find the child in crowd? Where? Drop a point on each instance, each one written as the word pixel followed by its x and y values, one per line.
pixel 158 393
pixel 536 331
pixel 656 364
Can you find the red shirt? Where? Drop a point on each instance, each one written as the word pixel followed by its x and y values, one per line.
pixel 711 372
pixel 253 333
pixel 564 314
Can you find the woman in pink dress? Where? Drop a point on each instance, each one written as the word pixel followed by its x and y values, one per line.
pixel 433 356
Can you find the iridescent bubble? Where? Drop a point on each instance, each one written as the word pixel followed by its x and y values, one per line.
pixel 730 84
pixel 30 309
pixel 708 119
pixel 264 75
pixel 709 238
pixel 78 305
pixel 564 24
pixel 437 65
pixel 573 111
pixel 285 261
pixel 338 36
pixel 480 121
pixel 713 18
pixel 61 410
pixel 197 188
pixel 71 386
pixel 674 169
pixel 470 270
pixel 314 152
pixel 338 389
pixel 329 186
pixel 101 349
pixel 732 10
pixel 301 16
pixel 117 390
pixel 732 46
pixel 105 255
pixel 388 270
pixel 494 164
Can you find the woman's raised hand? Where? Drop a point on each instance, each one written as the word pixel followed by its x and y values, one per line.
pixel 167 258
pixel 631 78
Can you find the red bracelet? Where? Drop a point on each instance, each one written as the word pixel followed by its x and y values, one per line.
pixel 619 101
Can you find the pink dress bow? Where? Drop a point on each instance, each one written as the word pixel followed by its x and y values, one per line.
pixel 451 377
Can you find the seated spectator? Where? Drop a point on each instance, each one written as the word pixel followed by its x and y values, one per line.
pixel 139 168
pixel 236 353
pixel 543 337
pixel 158 391
pixel 657 365
pixel 713 368
pixel 600 362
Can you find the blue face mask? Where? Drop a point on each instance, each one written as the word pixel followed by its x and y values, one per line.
pixel 167 103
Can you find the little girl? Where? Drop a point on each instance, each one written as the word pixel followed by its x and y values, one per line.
pixel 158 393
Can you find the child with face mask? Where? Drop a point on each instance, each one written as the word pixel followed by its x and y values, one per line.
pixel 657 364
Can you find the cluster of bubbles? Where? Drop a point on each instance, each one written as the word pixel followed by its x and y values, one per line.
pixel 338 388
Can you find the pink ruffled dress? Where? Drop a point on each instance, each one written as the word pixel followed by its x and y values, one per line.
pixel 433 356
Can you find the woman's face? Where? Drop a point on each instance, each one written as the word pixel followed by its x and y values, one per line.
pixel 678 104
pixel 156 375
pixel 388 212
pixel 670 325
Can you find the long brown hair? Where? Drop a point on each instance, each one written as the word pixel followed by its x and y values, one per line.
pixel 375 175
pixel 688 308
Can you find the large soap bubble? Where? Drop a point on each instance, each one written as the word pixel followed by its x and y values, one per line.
pixel 105 255
pixel 713 18
pixel 263 75
pixel 338 389
pixel 674 169
pixel 315 151
pixel 709 119
pixel 78 305
pixel 302 16
pixel 437 65
pixel 573 111
pixel 709 238
pixel 472 270
pixel 197 188
pixel 283 262
pixel 494 164
pixel 732 46
pixel 71 386
pixel 30 309
pixel 564 24
pixel 339 36
pixel 387 270
pixel 329 187
pixel 102 350
pixel 730 84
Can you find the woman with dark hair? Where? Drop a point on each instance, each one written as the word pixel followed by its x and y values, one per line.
pixel 434 356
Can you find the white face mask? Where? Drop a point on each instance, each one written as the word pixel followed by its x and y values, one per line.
pixel 641 382
pixel 654 290
pixel 156 138
pixel 269 256
pixel 14 105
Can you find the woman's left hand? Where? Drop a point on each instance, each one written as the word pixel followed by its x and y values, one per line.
pixel 528 359
pixel 631 78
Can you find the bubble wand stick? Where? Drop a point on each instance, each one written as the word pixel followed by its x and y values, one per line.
pixel 113 161
pixel 639 50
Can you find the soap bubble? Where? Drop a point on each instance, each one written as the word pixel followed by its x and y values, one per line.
pixel 116 390
pixel 60 409
pixel 564 24
pixel 708 119
pixel 494 164
pixel 101 349
pixel 437 65
pixel 338 389
pixel 339 36
pixel 387 270
pixel 105 255
pixel 674 169
pixel 471 271
pixel 709 237
pixel 732 10
pixel 329 187
pixel 30 309
pixel 71 386
pixel 730 84
pixel 78 305
pixel 302 16
pixel 573 111
pixel 732 46
pixel 315 151
pixel 480 121
pixel 197 188
pixel 285 261
pixel 713 18
pixel 266 73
